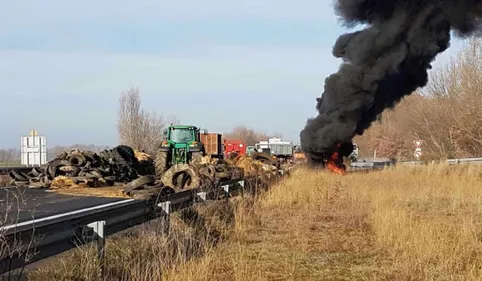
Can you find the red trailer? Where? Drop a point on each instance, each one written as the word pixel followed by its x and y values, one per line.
pixel 234 146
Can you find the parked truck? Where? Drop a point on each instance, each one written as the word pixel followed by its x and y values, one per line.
pixel 282 150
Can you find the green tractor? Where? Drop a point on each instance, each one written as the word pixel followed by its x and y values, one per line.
pixel 181 145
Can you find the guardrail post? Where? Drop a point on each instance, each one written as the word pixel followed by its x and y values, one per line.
pixel 202 195
pixel 241 183
pixel 98 228
pixel 226 192
pixel 166 218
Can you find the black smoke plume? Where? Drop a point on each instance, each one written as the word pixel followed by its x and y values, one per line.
pixel 382 63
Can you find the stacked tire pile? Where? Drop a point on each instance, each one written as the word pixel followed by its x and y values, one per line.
pixel 108 167
pixel 260 170
pixel 205 176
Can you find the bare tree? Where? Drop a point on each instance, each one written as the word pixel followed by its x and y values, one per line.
pixel 138 128
pixel 151 126
pixel 245 134
pixel 130 118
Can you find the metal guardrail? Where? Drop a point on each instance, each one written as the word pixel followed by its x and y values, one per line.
pixel 473 161
pixel 66 231
pixel 378 164
pixel 370 164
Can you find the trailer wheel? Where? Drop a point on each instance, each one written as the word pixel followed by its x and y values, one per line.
pixel 161 163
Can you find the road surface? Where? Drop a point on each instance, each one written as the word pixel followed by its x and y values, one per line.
pixel 23 204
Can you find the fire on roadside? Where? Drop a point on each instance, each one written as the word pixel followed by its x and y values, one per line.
pixel 335 162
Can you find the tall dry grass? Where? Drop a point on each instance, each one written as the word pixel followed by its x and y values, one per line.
pixel 406 223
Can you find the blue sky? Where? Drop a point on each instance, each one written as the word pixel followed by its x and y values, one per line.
pixel 213 63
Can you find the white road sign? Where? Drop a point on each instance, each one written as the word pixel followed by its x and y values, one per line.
pixel 418 143
pixel 417 154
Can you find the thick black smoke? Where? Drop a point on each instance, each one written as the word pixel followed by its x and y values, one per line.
pixel 382 63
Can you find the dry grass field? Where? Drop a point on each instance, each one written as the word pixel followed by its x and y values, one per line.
pixel 406 223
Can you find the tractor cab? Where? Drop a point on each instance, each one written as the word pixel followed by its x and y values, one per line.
pixel 182 136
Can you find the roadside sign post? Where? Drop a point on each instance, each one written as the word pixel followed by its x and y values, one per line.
pixel 418 149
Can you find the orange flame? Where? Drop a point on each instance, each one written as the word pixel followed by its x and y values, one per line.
pixel 334 164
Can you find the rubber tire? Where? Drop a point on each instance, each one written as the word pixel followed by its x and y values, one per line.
pixel 222 175
pixel 52 170
pixel 70 169
pixel 127 153
pixel 147 194
pixel 264 158
pixel 36 172
pixel 77 159
pixel 208 170
pixel 221 162
pixel 138 183
pixel 22 183
pixel 18 176
pixel 170 175
pixel 221 168
pixel 161 163
pixel 96 173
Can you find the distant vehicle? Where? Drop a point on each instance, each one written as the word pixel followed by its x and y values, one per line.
pixel 277 148
pixel 298 154
pixel 354 155
pixel 250 149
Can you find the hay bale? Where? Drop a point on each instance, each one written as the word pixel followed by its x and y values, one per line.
pixel 247 163
pixel 207 160
pixel 142 156
pixel 62 182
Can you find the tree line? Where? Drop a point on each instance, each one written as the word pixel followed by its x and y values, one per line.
pixel 142 130
pixel 446 115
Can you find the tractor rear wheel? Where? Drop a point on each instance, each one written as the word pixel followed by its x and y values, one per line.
pixel 161 163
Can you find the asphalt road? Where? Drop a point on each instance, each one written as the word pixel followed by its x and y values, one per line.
pixel 23 204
